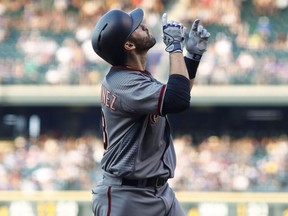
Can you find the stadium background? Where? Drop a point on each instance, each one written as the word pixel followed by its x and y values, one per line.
pixel 232 143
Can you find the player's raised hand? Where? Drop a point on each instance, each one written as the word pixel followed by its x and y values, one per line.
pixel 197 41
pixel 173 35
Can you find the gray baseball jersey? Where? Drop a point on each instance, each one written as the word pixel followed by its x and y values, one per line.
pixel 136 136
pixel 138 146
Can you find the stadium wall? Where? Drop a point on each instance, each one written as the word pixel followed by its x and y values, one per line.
pixel 78 203
pixel 90 95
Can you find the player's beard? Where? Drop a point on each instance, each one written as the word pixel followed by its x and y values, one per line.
pixel 144 44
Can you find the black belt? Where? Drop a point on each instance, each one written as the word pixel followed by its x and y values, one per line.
pixel 149 182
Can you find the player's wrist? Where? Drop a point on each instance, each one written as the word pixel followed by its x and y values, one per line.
pixel 174 47
pixel 194 56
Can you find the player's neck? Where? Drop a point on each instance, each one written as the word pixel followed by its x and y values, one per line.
pixel 136 62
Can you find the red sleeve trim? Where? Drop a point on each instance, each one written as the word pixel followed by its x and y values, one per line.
pixel 160 100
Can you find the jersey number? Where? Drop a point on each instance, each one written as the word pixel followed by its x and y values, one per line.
pixel 104 131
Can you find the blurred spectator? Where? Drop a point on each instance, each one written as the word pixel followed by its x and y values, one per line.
pixel 50 40
pixel 281 42
pixel 225 164
pixel 264 7
pixel 215 163
pixel 281 4
pixel 50 164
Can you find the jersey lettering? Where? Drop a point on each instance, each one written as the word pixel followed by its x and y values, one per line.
pixel 104 130
pixel 108 98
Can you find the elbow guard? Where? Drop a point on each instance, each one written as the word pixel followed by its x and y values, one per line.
pixel 177 95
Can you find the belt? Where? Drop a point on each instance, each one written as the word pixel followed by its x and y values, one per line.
pixel 149 182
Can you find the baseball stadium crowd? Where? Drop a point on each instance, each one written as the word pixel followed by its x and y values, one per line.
pixel 48 41
pixel 216 163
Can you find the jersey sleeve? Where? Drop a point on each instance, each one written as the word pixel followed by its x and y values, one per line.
pixel 137 92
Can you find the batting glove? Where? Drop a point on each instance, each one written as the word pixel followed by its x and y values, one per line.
pixel 197 41
pixel 173 35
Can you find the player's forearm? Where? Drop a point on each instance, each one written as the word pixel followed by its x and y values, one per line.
pixel 192 66
pixel 191 84
pixel 178 66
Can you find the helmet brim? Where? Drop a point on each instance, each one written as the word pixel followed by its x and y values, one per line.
pixel 137 18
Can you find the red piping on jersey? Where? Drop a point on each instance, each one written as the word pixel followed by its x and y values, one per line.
pixel 160 100
pixel 109 201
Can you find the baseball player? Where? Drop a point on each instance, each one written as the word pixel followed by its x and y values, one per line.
pixel 139 155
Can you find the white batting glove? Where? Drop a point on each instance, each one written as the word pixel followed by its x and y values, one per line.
pixel 173 35
pixel 197 41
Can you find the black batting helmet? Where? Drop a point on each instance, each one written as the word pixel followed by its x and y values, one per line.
pixel 111 32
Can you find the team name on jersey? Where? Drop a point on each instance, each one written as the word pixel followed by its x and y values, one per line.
pixel 107 98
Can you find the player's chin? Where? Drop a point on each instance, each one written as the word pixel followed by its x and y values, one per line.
pixel 146 44
pixel 149 43
pixel 152 42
